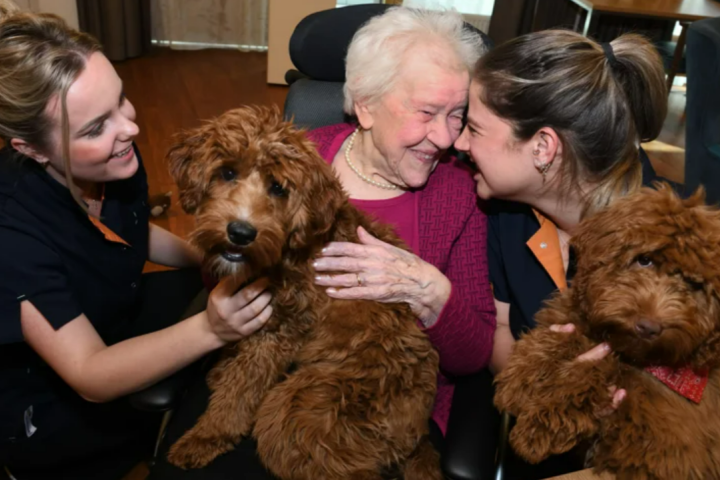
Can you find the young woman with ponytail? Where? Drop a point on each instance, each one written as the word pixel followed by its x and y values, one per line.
pixel 554 127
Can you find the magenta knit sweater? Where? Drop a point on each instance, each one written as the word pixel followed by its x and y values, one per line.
pixel 452 232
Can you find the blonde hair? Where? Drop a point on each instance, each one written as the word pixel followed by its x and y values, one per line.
pixel 378 49
pixel 601 107
pixel 40 57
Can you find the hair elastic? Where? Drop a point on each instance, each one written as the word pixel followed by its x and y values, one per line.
pixel 610 54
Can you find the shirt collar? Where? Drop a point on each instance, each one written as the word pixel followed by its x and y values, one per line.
pixel 545 245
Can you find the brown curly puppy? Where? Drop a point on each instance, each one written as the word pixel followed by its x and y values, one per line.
pixel 648 283
pixel 331 389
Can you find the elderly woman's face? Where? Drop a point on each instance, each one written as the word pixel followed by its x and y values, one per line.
pixel 418 120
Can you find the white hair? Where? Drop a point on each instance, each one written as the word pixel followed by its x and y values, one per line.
pixel 378 49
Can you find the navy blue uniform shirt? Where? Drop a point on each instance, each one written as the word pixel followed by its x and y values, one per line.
pixel 53 255
pixel 525 263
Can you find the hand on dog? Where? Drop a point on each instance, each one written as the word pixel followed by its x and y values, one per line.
pixel 375 270
pixel 597 353
pixel 232 314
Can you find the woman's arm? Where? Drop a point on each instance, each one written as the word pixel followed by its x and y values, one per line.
pixel 463 334
pixel 100 373
pixel 168 249
pixel 503 339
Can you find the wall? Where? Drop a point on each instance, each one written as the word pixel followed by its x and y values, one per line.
pixel 283 17
pixel 67 9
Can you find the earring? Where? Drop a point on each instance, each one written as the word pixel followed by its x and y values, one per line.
pixel 540 166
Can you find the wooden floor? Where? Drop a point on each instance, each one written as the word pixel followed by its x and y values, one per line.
pixel 667 153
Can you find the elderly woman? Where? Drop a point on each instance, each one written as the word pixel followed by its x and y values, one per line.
pixel 408 73
pixel 407 86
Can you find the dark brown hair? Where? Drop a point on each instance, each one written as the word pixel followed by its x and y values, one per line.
pixel 601 107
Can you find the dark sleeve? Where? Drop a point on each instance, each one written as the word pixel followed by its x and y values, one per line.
pixel 32 271
pixel 496 265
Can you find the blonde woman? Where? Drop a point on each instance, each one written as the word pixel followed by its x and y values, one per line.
pixel 75 235
pixel 554 126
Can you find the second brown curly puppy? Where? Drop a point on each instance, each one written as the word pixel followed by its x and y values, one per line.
pixel 648 283
pixel 330 389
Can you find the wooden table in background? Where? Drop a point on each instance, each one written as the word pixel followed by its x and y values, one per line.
pixel 684 11
pixel 583 475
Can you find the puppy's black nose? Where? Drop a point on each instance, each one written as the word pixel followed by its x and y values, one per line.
pixel 648 329
pixel 241 233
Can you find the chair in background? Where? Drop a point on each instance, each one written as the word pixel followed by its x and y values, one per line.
pixel 317 48
pixel 702 134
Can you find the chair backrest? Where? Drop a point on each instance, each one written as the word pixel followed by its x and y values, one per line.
pixel 702 134
pixel 318 47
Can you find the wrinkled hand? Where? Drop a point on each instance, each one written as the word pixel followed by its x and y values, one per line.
pixel 375 270
pixel 232 314
pixel 595 354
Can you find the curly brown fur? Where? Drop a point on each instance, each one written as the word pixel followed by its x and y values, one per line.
pixel 357 401
pixel 647 283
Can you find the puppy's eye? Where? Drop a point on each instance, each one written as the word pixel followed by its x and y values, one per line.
pixel 276 189
pixel 644 261
pixel 227 174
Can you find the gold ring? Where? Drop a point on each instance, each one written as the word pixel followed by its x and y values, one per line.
pixel 359 279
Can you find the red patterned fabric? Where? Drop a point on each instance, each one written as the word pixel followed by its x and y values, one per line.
pixel 685 381
pixel 452 237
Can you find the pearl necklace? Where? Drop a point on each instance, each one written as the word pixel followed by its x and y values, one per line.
pixel 386 186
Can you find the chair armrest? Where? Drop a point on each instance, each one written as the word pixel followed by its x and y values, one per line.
pixel 472 433
pixel 291 76
pixel 165 394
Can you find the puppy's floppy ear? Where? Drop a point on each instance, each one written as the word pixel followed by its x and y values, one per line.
pixel 186 168
pixel 321 197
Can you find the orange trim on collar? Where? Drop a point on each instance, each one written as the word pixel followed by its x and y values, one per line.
pixel 545 245
pixel 109 234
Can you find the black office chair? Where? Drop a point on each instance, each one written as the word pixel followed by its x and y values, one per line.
pixel 164 395
pixel 702 134
pixel 318 47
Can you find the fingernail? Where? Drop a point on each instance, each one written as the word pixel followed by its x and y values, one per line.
pixel 315 264
pixel 331 290
pixel 606 347
pixel 320 278
pixel 622 394
pixel 324 250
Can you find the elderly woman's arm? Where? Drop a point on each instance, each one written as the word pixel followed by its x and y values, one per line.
pixel 456 307
pixel 464 331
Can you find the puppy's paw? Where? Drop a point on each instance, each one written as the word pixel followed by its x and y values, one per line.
pixel 537 435
pixel 424 463
pixel 192 451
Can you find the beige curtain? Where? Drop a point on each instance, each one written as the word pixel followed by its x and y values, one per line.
pixel 194 24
